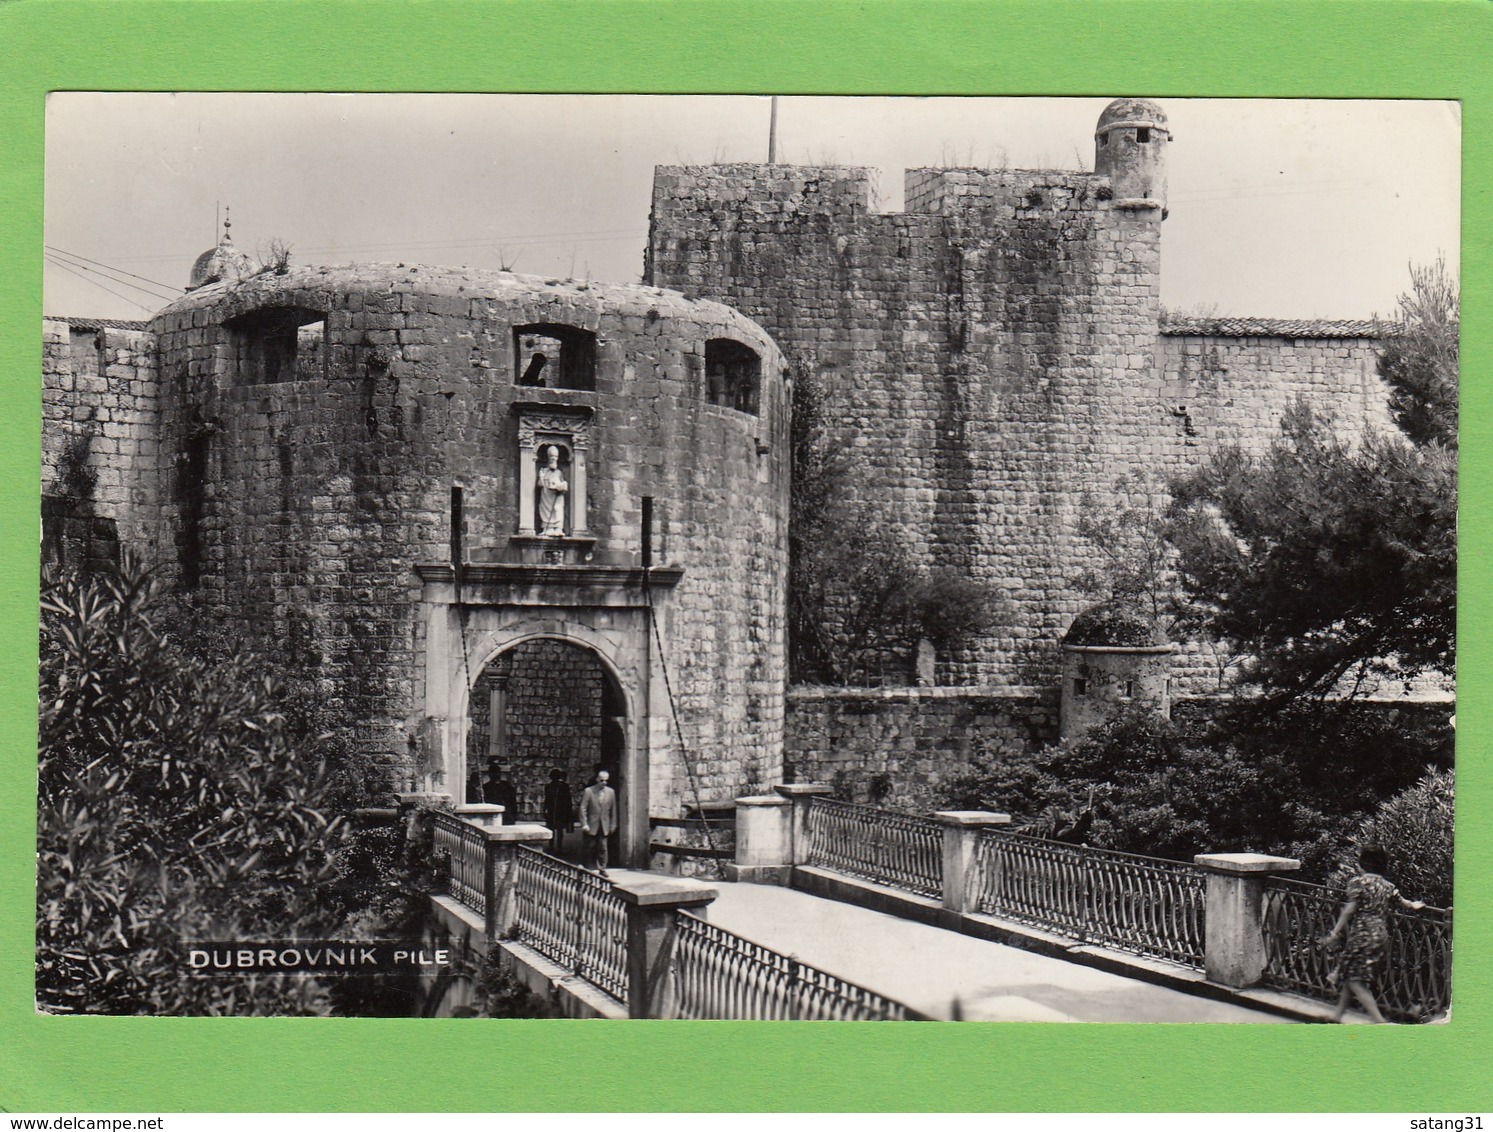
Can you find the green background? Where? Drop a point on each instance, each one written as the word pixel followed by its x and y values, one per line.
pixel 1351 49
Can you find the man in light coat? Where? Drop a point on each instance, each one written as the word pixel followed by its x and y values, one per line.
pixel 598 819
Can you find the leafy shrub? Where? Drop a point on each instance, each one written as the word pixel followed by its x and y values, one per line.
pixel 1414 828
pixel 1297 784
pixel 172 806
pixel 1115 624
pixel 499 995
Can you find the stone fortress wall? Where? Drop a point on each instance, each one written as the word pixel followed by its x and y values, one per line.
pixel 285 445
pixel 295 489
pixel 997 351
pixel 100 439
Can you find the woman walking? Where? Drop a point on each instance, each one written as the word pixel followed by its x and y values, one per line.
pixel 1365 917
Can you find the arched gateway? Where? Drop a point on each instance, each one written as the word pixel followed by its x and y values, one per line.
pixel 544 705
pixel 415 476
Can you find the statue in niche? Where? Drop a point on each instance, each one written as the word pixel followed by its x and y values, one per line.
pixel 552 490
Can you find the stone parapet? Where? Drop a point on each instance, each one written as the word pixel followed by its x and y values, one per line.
pixel 1234 948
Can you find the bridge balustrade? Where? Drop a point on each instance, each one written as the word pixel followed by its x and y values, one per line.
pixel 890 848
pixel 1145 905
pixel 573 918
pixel 1415 983
pixel 464 846
pixel 721 975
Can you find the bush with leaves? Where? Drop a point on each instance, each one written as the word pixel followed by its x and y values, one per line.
pixel 496 993
pixel 1173 789
pixel 172 807
pixel 1414 828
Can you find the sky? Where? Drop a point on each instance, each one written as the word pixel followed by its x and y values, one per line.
pixel 1278 208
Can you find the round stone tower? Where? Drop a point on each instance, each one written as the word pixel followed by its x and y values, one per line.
pixel 477 511
pixel 1130 149
pixel 1113 657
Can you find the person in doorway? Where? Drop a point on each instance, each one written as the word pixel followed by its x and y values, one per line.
pixel 1365 919
pixel 559 809
pixel 598 820
pixel 497 790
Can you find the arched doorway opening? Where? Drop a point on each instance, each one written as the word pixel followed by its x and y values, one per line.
pixel 545 704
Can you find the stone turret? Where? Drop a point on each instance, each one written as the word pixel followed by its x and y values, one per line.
pixel 1114 657
pixel 1130 149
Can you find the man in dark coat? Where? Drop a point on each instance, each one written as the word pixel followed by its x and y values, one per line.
pixel 498 791
pixel 559 809
pixel 598 820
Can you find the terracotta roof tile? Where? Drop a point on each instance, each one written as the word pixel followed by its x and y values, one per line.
pixel 100 323
pixel 1270 327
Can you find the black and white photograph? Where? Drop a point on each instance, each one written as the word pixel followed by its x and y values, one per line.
pixel 745 557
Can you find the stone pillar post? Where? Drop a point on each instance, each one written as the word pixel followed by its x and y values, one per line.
pixel 500 881
pixel 801 795
pixel 651 906
pixel 1234 946
pixel 959 836
pixel 528 478
pixel 763 840
pixel 579 519
pixel 484 814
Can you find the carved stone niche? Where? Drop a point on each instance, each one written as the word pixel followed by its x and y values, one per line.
pixel 566 428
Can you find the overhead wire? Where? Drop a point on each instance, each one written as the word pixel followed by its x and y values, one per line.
pixel 90 272
pixel 110 267
pixel 598 235
pixel 96 283
pixel 159 295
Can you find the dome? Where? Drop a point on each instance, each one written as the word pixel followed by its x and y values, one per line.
pixel 1132 112
pixel 222 262
pixel 1114 624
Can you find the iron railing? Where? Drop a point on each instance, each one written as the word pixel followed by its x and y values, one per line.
pixel 573 918
pixel 1416 978
pixel 1141 904
pixel 465 847
pixel 719 975
pixel 884 846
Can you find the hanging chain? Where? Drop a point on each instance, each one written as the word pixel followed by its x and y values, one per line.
pixel 689 770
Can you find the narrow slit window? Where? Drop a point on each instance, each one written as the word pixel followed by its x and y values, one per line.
pixel 1080 686
pixel 733 375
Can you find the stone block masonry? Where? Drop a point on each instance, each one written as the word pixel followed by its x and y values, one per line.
pixel 100 440
pixel 994 356
pixel 286 447
pixel 905 747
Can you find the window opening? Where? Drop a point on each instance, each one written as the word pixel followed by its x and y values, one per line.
pixel 554 356
pixel 733 374
pixel 1080 686
pixel 278 344
pixel 1143 133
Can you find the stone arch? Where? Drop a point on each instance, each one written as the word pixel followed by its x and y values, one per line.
pixel 529 747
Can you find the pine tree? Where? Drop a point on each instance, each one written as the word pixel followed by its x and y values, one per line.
pixel 1329 561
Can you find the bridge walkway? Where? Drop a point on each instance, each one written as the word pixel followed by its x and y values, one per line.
pixel 944 974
